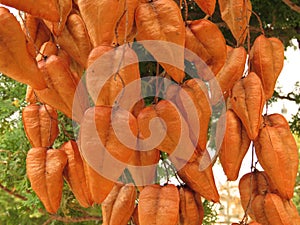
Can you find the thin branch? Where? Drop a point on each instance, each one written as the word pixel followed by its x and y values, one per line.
pixel 11 192
pixel 290 96
pixel 292 5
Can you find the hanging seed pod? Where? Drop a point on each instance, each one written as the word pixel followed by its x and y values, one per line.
pixel 74 174
pixel 292 211
pixel 251 185
pixel 15 60
pixel 161 20
pixel 43 9
pixel 44 169
pixel 207 6
pixel 159 205
pixel 36 32
pixel 125 24
pixel 259 210
pixel 267 58
pixel 205 39
pixel 198 175
pixel 74 39
pixel 199 99
pixel 104 136
pixel 191 210
pixel 30 96
pixel 236 14
pixel 148 161
pixel 135 216
pixel 119 211
pixel 234 145
pixel 275 210
pixel 277 153
pixel 47 49
pixel 247 102
pixel 64 7
pixel 230 73
pixel 100 19
pixel 171 131
pixel 62 88
pixel 40 125
pixel 120 83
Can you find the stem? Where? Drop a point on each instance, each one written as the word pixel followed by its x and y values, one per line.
pixel 259 21
pixel 186 10
pixel 12 193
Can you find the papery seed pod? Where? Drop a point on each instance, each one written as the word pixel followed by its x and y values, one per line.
pixel 198 175
pixel 236 14
pixel 62 88
pixel 47 49
pixel 120 76
pixel 125 24
pixel 74 39
pixel 100 19
pixel 161 20
pixel 190 211
pixel 74 174
pixel 44 169
pixel 123 206
pixel 48 10
pixel 205 39
pixel 103 134
pixel 40 125
pixel 277 153
pixel 159 205
pixel 15 61
pixel 267 57
pixel 233 146
pixel 247 101
pixel 230 73
pixel 292 211
pixel 193 95
pixel 64 7
pixel 170 127
pixel 30 97
pixel 207 6
pixel 259 210
pixel 251 185
pixel 275 210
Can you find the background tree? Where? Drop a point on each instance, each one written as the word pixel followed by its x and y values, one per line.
pixel 20 205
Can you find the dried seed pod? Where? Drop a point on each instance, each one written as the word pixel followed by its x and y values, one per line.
pixel 190 208
pixel 277 153
pixel 108 203
pixel 231 72
pixel 205 39
pixel 45 172
pixel 169 129
pixel 251 185
pixel 259 210
pixel 267 57
pixel 207 6
pixel 40 125
pixel 123 206
pixel 125 24
pixel 194 95
pixel 15 60
pixel 62 88
pixel 135 216
pixel 236 14
pixel 120 73
pixel 107 139
pixel 233 146
pixel 292 211
pixel 75 40
pixel 161 20
pixel 146 159
pixel 159 205
pixel 100 19
pixel 64 7
pixel 48 10
pixel 47 49
pixel 198 175
pixel 30 95
pixel 247 102
pixel 74 174
pixel 275 210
